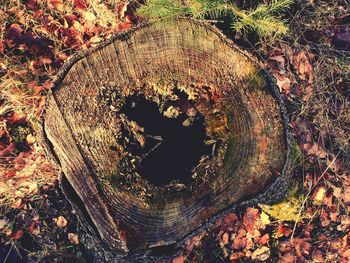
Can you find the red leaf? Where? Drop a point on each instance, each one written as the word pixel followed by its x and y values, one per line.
pixel 80 4
pixel 239 243
pixel 230 219
pixel 122 8
pixel 284 230
pixel 124 26
pixel 18 234
pixel 8 150
pixel 263 240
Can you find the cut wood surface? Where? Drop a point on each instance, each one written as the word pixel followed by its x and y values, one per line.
pixel 86 124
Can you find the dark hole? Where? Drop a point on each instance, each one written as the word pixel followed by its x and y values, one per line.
pixel 171 150
pixel 163 250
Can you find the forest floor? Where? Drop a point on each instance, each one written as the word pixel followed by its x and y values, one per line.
pixel 311 65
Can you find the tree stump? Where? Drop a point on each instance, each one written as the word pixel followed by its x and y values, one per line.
pixel 160 129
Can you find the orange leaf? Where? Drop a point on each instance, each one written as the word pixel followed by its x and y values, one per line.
pixel 61 222
pixel 179 259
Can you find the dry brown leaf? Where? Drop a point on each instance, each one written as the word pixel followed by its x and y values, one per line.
pixel 73 238
pixel 261 254
pixel 303 66
pixel 346 194
pixel 3 223
pixel 263 240
pixel 344 223
pixel 287 258
pixel 195 241
pixel 225 239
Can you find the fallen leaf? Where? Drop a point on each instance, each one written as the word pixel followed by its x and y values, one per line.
pixel 17 203
pixel 34 228
pixel 239 243
pixel 224 239
pixel 8 150
pixel 265 219
pixel 73 238
pixel 346 194
pixel 261 254
pixel 287 258
pixel 263 240
pixel 346 253
pixel 80 4
pixel 317 151
pixel 234 257
pixel 122 8
pixel 285 246
pixel 18 234
pixel 303 66
pixel 3 223
pixel 195 241
pixel 317 256
pixel 325 219
pixel 283 83
pixel 251 219
pixel 231 218
pixel 319 195
pixel 56 5
pixel 179 259
pixel 61 222
pixel 30 139
pixel 302 247
pixel 344 223
pixel 283 230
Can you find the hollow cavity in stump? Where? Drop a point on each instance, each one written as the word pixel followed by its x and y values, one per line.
pixel 166 138
pixel 173 144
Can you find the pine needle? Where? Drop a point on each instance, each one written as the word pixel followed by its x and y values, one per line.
pixel 263 20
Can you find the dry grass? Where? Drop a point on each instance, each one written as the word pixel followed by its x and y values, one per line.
pixel 26 79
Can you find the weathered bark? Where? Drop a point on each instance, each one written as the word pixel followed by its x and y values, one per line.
pixel 84 120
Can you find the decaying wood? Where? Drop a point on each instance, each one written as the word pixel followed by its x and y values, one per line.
pixel 82 121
